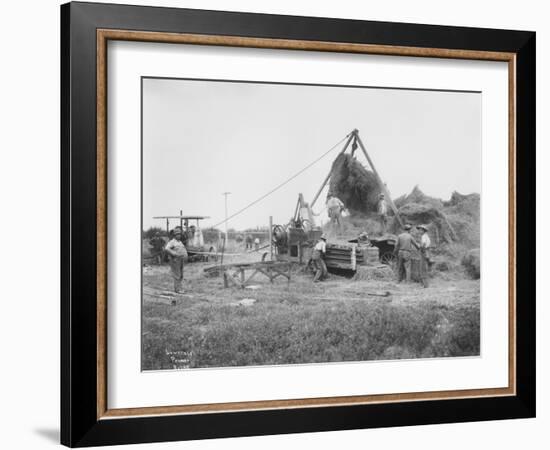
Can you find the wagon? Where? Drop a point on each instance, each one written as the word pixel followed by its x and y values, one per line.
pixel 386 246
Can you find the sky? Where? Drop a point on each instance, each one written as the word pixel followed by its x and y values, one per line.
pixel 202 138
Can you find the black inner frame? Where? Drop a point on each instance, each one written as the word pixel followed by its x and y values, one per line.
pixel 79 424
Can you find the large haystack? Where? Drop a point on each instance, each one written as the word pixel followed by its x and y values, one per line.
pixel 418 208
pixel 463 212
pixel 352 183
pixel 417 196
pixel 455 221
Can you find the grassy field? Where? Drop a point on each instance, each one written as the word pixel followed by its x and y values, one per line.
pixel 301 322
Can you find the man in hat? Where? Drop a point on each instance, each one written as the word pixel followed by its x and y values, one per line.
pixel 404 248
pixel 424 256
pixel 178 257
pixel 319 252
pixel 248 240
pixel 382 209
pixel 158 247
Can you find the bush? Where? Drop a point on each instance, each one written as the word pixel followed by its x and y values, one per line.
pixel 472 263
pixel 151 231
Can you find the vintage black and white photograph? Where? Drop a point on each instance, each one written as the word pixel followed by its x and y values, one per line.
pixel 298 224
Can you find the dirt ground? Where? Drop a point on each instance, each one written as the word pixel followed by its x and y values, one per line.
pixel 299 321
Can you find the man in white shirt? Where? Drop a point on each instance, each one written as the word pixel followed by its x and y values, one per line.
pixel 178 256
pixel 425 243
pixel 382 210
pixel 319 252
pixel 335 207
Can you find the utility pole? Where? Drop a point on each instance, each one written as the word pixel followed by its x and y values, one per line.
pixel 225 194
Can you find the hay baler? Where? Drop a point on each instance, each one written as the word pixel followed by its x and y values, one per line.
pixel 295 241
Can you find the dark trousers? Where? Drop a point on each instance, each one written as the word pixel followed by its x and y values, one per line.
pixel 320 267
pixel 404 262
pixel 424 268
pixel 383 223
pixel 176 269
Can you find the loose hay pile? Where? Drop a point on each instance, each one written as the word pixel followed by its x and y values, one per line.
pixel 380 272
pixel 352 183
pixel 417 196
pixel 423 213
pixel 454 221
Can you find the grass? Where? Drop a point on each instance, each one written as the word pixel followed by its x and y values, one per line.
pixel 306 323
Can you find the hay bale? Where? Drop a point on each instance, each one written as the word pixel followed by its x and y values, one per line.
pixel 380 272
pixel 472 263
pixel 352 183
pixel 371 256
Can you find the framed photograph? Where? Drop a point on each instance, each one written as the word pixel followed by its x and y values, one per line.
pixel 277 224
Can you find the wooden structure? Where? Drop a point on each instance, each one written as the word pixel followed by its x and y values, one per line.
pixel 183 221
pixel 349 256
pixel 196 253
pixel 236 274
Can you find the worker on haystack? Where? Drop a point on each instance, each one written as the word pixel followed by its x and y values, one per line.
pixel 404 248
pixel 335 207
pixel 382 210
pixel 425 243
pixel 257 244
pixel 319 252
pixel 178 257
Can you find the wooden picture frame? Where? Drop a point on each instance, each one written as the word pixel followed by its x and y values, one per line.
pixel 85 416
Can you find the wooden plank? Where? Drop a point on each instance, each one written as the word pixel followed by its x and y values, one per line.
pixel 338 265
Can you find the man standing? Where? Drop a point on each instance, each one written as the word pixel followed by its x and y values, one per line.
pixel 424 256
pixel 319 252
pixel 178 256
pixel 403 250
pixel 382 213
pixel 248 241
pixel 335 208
pixel 158 244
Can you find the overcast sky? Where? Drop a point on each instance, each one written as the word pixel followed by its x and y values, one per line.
pixel 202 138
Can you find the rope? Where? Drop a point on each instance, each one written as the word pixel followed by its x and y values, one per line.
pixel 282 184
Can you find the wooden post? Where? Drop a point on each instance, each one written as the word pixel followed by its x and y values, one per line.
pixel 168 226
pixel 271 238
pixel 225 281
pixel 378 179
pixel 223 251
pixel 297 210
pixel 330 171
pixel 181 220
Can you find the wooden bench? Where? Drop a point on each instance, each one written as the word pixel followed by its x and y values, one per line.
pixel 236 274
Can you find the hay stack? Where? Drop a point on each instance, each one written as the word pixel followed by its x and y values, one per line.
pixel 418 208
pixel 417 196
pixel 352 183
